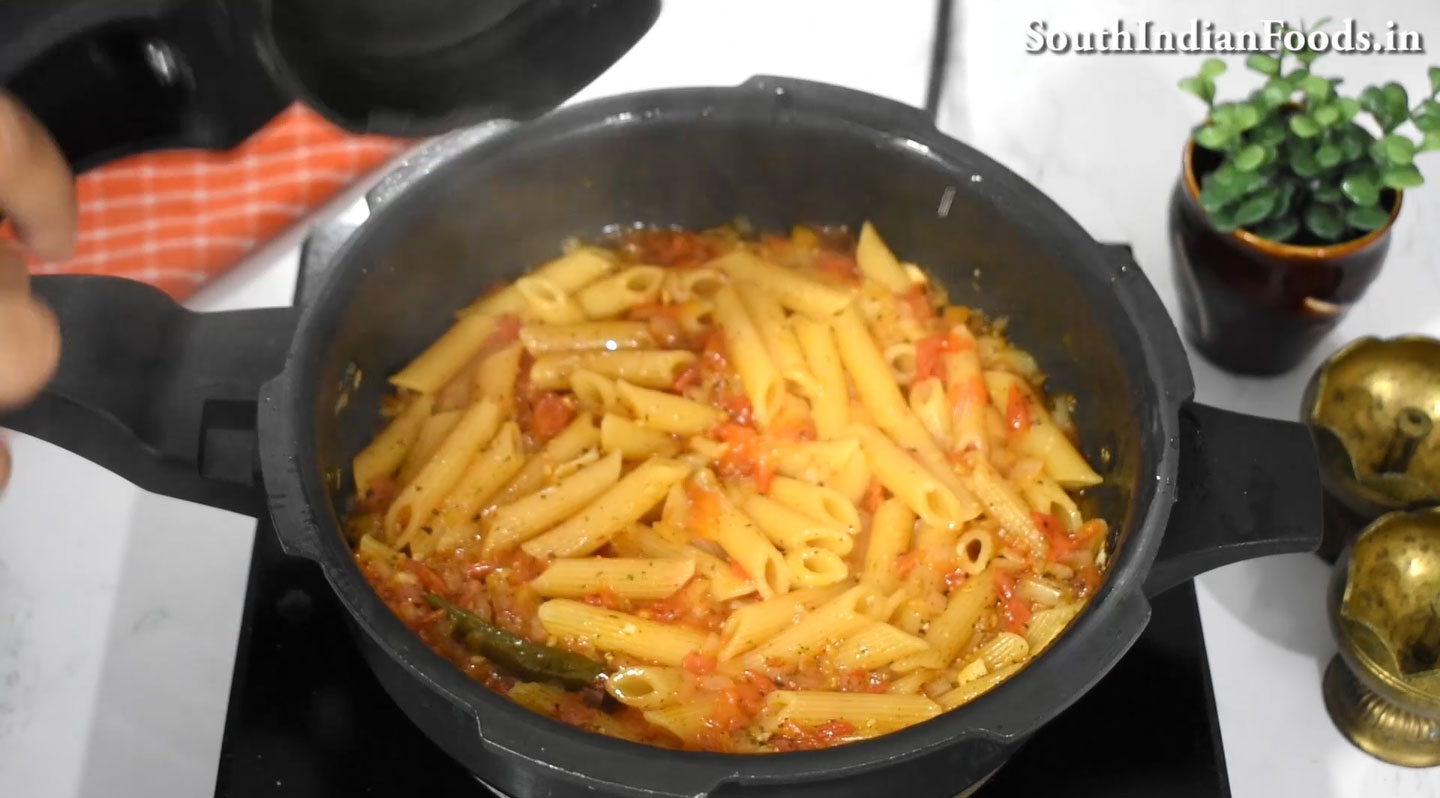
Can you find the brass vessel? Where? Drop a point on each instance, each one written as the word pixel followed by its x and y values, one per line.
pixel 1383 688
pixel 1374 410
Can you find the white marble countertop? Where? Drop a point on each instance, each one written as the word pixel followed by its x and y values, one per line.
pixel 1102 136
pixel 119 609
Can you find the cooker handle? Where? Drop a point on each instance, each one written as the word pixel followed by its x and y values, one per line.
pixel 1248 487
pixel 155 393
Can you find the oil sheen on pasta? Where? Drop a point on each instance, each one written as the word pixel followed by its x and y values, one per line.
pixel 775 491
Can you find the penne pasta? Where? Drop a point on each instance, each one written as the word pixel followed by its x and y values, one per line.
pixel 515 523
pixel 588 336
pixel 634 441
pixel 1046 625
pixel 820 503
pixel 790 529
pixel 813 461
pixel 868 714
pixel 784 350
pixel 581 435
pixel 928 403
pixel 868 371
pixel 777 492
pixel 548 302
pixel 746 351
pixel 620 632
pixel 907 479
pixel 829 395
pixel 445 358
pixel 667 412
pixel 570 273
pixel 483 478
pixel 687 722
pixel 973 550
pixel 949 631
pixel 625 578
pixel 685 285
pixel 878 263
pixel 647 687
pixel 496 376
pixel 853 477
pixel 594 392
pixel 1045 495
pixel 613 296
pixel 383 456
pixel 652 368
pixel 794 291
pixel 433 431
pixel 1003 504
pixel 900 358
pixel 725 584
pixel 619 506
pixel 417 500
pixel 750 625
pixel 696 316
pixel 813 566
pixel 878 645
pixel 1043 439
pixel 833 621
pixel 744 544
pixel 974 688
pixel 890 532
pixel 1005 648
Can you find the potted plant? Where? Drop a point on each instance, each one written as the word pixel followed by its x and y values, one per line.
pixel 1282 214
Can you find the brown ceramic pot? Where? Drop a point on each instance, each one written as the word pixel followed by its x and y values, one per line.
pixel 1254 306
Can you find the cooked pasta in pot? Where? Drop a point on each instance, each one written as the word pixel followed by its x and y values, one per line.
pixel 705 491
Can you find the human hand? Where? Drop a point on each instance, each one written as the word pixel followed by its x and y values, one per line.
pixel 37 194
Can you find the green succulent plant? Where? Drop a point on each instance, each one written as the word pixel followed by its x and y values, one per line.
pixel 1297 161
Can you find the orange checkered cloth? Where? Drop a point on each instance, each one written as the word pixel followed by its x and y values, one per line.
pixel 179 218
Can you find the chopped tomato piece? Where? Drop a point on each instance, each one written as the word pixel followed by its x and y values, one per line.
pixel 955 578
pixel 1017 413
pixel 954 342
pixel 507 329
pixel 739 570
pixel 761 681
pixel 604 597
pixel 775 246
pixel 1060 541
pixel 837 264
pixel 646 310
pixel 379 496
pixel 970 391
pixel 918 303
pixel 688 376
pixel 704 509
pixel 1004 582
pixel 1089 578
pixel 927 357
pixel 698 664
pixel 431 580
pixel 764 473
pixel 1090 529
pixel 906 563
pixel 738 406
pixel 549 415
pixel 874 496
pixel 1016 615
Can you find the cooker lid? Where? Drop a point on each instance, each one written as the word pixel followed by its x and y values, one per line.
pixel 425 66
